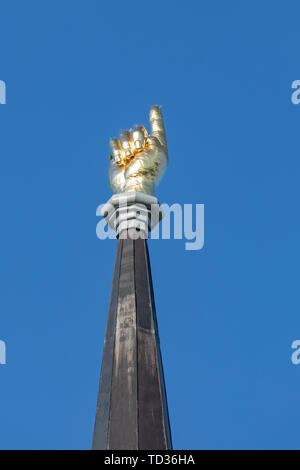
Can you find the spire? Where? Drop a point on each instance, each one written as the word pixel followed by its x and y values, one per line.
pixel 132 411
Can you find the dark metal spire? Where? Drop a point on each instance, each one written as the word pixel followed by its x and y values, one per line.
pixel 132 411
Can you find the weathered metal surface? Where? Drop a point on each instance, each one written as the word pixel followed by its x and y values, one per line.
pixel 152 433
pixel 123 428
pixel 167 427
pixel 104 396
pixel 132 410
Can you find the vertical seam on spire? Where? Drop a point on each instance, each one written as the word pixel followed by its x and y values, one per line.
pixel 137 346
pixel 114 339
pixel 161 378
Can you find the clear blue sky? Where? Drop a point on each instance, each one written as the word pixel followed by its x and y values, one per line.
pixel 79 71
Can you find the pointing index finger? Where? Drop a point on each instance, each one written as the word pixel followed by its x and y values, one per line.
pixel 157 125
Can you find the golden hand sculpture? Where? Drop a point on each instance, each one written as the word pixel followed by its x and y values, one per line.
pixel 138 160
